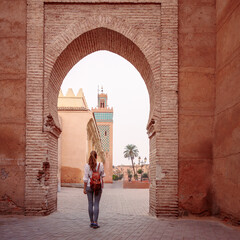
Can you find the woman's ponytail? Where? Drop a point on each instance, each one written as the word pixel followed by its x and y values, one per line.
pixel 92 161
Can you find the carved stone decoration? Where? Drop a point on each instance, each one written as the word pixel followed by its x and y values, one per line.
pixel 50 126
pixel 151 129
pixel 50 121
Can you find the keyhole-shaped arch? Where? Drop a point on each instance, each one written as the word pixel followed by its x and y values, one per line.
pixel 94 40
pixel 52 51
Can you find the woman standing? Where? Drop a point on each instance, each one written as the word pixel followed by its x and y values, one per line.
pixel 93 196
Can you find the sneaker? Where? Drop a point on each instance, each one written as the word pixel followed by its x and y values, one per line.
pixel 91 225
pixel 95 225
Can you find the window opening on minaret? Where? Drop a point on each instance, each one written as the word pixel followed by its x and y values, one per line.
pixel 105 133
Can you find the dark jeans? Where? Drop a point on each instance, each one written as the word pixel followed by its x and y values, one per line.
pixel 93 206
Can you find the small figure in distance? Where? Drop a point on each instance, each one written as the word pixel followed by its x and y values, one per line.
pixel 93 184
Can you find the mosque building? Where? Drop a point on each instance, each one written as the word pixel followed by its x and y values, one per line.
pixel 104 118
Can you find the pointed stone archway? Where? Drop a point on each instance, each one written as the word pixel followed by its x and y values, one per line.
pixel 58 37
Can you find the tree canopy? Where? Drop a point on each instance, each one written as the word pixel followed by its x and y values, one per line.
pixel 130 152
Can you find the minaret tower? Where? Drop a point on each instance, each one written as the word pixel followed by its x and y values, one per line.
pixel 104 118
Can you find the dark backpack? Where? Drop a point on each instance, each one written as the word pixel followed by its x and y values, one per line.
pixel 95 180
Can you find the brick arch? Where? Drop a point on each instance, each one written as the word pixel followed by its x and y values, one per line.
pixel 48 39
pixel 78 41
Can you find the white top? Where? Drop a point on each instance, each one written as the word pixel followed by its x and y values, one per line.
pixel 88 173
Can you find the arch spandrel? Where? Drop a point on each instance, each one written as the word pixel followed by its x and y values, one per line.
pixel 97 33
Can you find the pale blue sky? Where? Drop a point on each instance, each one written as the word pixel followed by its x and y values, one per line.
pixel 127 94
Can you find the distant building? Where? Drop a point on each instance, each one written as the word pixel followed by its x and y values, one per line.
pixel 122 169
pixel 104 118
pixel 79 137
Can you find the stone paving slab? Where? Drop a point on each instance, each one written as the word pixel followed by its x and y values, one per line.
pixel 123 216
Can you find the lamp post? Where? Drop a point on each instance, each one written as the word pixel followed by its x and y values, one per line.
pixel 142 163
pixel 139 160
pixel 135 166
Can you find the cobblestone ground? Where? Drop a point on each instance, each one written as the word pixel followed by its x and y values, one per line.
pixel 123 215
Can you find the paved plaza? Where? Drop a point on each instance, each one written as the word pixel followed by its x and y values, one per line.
pixel 123 216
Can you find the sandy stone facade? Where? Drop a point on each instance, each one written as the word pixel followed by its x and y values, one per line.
pixel 188 55
pixel 80 135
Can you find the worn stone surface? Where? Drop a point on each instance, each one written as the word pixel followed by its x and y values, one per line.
pixel 196 104
pixel 226 146
pixel 12 105
pixel 194 187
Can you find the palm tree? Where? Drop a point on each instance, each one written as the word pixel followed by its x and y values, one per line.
pixel 130 152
